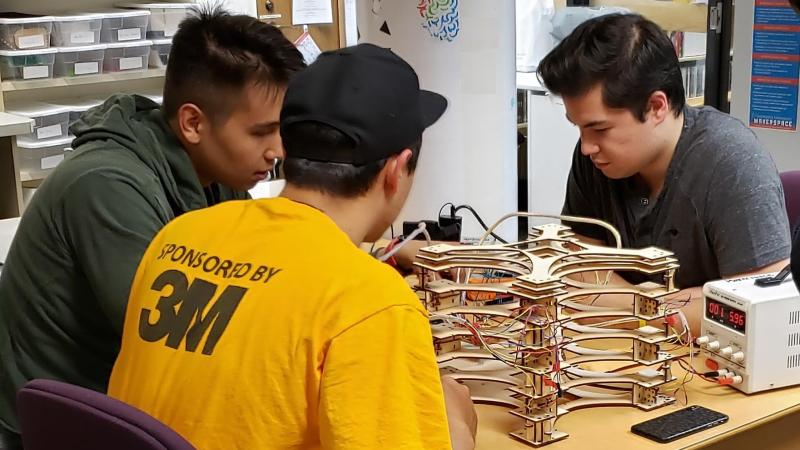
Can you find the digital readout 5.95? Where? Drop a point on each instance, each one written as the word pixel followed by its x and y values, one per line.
pixel 725 315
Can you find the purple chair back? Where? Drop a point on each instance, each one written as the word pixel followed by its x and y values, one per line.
pixel 59 415
pixel 791 194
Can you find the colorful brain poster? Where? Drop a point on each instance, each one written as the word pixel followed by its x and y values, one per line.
pixel 440 18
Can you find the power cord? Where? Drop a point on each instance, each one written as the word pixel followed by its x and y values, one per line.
pixel 395 248
pixel 454 209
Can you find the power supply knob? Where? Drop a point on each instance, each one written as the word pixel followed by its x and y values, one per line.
pixel 737 379
pixel 701 340
pixel 726 351
pixel 738 356
pixel 713 346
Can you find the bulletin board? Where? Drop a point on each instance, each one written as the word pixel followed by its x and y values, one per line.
pixel 327 36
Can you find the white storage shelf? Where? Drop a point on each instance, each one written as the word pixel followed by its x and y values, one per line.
pixel 24 85
pixel 50 121
pixel 13 125
pixel 61 75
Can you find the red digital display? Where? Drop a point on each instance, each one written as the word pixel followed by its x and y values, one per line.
pixel 725 315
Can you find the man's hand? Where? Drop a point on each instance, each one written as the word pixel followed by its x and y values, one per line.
pixel 461 416
pixel 407 254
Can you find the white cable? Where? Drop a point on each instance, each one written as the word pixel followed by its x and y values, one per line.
pixel 584 307
pixel 575 348
pixel 426 234
pixel 505 359
pixel 686 328
pixel 617 322
pixel 589 394
pixel 588 329
pixel 420 229
pixel 452 319
pixel 589 373
pixel 588 220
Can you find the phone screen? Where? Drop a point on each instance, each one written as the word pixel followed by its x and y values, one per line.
pixel 678 424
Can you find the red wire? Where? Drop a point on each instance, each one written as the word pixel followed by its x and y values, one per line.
pixel 391 261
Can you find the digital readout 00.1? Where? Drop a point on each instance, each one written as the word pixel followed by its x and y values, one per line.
pixel 726 315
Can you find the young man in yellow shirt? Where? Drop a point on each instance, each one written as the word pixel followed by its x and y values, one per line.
pixel 260 324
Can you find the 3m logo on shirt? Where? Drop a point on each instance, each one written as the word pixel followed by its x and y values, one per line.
pixel 191 309
pixel 184 313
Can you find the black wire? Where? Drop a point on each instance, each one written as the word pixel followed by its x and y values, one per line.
pixel 442 209
pixel 480 221
pixel 392 229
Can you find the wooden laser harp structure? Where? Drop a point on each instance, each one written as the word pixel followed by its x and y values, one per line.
pixel 515 336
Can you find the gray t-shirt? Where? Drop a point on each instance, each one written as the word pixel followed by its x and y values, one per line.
pixel 721 210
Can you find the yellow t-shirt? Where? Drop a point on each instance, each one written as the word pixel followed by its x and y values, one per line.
pixel 259 325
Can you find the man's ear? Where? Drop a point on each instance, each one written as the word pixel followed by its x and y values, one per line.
pixel 190 120
pixel 658 106
pixel 396 169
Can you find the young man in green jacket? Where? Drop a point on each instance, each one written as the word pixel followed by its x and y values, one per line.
pixel 136 166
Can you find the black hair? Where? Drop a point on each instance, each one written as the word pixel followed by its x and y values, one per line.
pixel 337 179
pixel 796 5
pixel 215 55
pixel 629 55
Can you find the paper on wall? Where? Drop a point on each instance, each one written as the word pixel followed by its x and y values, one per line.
pixel 307 12
pixel 308 47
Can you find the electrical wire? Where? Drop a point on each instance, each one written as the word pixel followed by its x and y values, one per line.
pixel 511 362
pixel 480 220
pixel 520 351
pixel 419 230
pixel 588 220
pixel 452 206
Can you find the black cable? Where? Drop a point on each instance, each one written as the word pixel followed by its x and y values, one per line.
pixel 451 209
pixel 480 221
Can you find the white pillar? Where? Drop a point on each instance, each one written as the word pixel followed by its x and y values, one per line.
pixel 464 50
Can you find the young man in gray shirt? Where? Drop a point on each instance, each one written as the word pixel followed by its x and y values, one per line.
pixel 694 181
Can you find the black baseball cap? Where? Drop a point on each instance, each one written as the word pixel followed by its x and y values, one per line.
pixel 369 94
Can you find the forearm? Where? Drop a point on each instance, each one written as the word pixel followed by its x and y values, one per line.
pixel 461 436
pixel 462 420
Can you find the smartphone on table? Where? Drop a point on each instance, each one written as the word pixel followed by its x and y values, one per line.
pixel 678 424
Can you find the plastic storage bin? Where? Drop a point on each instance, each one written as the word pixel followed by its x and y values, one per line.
pixel 77 61
pixel 164 17
pixel 38 158
pixel 159 53
pixel 27 64
pixel 123 56
pixel 24 31
pixel 50 120
pixel 124 25
pixel 77 30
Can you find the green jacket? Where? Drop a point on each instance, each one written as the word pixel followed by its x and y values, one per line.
pixel 65 284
